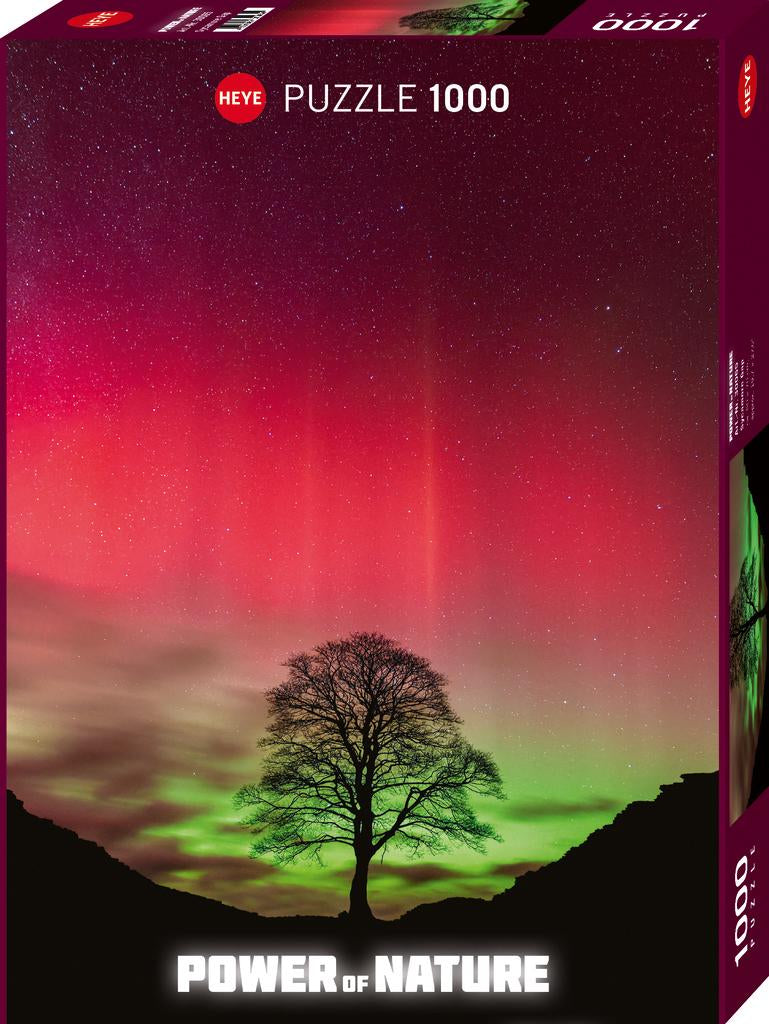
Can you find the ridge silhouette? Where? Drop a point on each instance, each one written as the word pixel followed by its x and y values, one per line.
pixel 628 917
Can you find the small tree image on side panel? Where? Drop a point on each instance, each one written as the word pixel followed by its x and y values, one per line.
pixel 470 19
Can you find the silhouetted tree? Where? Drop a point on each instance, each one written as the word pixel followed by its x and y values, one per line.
pixel 467 19
pixel 363 749
pixel 745 624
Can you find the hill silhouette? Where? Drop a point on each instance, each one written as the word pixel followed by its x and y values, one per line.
pixel 628 917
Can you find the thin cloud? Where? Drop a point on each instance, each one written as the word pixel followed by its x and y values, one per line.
pixel 540 810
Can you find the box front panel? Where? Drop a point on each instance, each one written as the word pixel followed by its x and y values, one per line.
pixel 417 362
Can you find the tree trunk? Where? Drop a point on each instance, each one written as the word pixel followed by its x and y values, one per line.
pixel 359 908
pixel 745 627
pixel 756 617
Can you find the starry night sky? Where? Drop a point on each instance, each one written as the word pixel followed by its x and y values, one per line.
pixel 448 377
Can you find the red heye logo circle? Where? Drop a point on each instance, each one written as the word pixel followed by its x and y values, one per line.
pixel 747 86
pixel 240 98
pixel 100 19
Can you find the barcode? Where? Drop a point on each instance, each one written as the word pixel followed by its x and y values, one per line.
pixel 247 17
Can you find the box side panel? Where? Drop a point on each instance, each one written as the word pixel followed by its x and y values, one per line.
pixel 222 21
pixel 745 514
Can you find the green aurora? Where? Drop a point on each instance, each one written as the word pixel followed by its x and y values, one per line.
pixel 164 804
